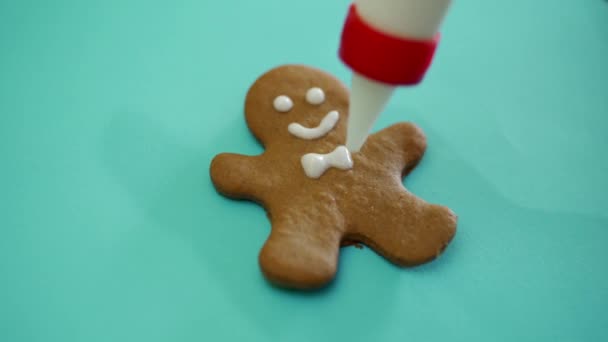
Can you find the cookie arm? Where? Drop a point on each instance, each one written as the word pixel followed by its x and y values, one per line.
pixel 401 145
pixel 236 176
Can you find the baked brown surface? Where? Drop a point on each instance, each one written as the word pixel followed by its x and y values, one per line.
pixel 312 218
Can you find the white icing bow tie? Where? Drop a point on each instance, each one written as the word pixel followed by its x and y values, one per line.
pixel 315 164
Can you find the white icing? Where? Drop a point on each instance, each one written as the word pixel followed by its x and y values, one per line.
pixel 315 96
pixel 327 124
pixel 316 164
pixel 283 104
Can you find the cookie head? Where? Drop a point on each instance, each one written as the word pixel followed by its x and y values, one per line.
pixel 296 103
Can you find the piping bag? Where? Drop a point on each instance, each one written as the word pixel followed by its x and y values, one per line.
pixel 387 44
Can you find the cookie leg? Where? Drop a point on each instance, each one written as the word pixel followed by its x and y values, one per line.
pixel 303 247
pixel 407 232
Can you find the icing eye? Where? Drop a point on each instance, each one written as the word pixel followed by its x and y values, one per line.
pixel 315 96
pixel 283 104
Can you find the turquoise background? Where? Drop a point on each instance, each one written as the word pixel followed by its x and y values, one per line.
pixel 110 230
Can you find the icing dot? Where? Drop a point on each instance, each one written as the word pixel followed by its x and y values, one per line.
pixel 315 96
pixel 283 104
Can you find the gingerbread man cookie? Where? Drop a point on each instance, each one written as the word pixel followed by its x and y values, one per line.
pixel 317 195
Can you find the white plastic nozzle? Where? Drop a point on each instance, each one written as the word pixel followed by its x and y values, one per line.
pixel 412 19
pixel 367 101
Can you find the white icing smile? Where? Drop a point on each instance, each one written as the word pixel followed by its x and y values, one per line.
pixel 315 164
pixel 327 124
